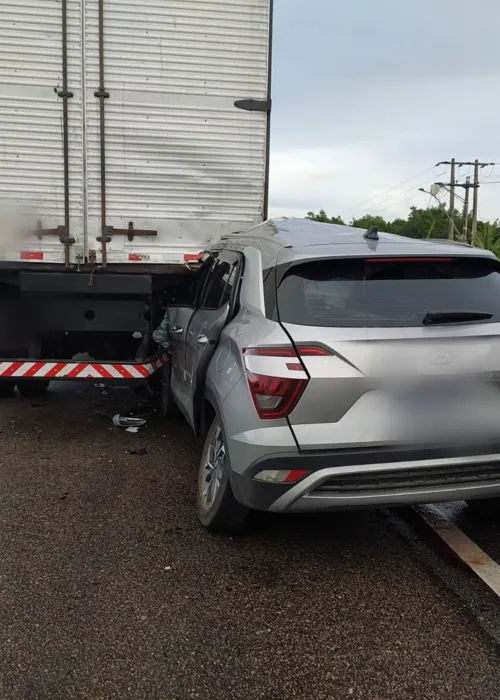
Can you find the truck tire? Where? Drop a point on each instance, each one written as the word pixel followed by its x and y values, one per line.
pixel 485 508
pixel 7 387
pixel 218 509
pixel 32 388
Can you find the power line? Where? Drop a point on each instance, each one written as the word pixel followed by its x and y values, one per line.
pixel 394 204
pixel 397 196
pixel 357 206
pixel 487 177
pixel 456 195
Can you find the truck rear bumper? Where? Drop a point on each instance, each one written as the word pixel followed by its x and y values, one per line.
pixel 73 369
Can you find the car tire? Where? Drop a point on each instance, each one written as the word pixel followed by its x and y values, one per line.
pixel 485 508
pixel 7 387
pixel 32 388
pixel 218 509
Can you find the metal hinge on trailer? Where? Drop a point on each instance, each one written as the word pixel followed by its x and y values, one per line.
pixel 44 369
pixel 130 232
pixel 59 231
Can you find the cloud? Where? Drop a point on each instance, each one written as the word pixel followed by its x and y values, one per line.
pixel 335 180
pixel 367 95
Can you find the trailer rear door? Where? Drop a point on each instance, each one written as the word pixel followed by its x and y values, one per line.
pixel 160 156
pixel 181 159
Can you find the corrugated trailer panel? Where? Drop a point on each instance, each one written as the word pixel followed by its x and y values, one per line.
pixel 31 137
pixel 181 159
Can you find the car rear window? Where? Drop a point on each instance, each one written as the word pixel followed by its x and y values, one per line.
pixel 387 292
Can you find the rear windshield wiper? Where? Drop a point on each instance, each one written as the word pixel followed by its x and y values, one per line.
pixel 438 317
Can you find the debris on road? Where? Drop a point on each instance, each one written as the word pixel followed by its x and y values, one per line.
pixel 128 421
pixel 140 451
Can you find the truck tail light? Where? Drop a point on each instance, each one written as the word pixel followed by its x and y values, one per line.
pixel 276 394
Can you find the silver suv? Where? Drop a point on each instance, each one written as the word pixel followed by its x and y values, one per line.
pixel 328 367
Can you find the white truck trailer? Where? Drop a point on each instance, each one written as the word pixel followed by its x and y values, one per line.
pixel 132 134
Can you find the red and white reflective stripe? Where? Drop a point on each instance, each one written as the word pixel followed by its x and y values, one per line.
pixel 80 370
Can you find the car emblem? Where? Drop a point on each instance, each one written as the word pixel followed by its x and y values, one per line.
pixel 441 357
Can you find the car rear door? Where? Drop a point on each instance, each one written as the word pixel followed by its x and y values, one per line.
pixel 366 318
pixel 215 309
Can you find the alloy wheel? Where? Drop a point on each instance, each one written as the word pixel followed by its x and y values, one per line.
pixel 213 468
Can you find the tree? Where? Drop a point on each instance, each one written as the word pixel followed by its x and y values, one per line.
pixel 368 221
pixel 432 222
pixel 425 223
pixel 488 236
pixel 323 217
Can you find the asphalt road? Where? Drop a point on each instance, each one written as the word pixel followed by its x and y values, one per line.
pixel 109 588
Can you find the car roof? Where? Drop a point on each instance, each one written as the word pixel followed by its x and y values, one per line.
pixel 304 238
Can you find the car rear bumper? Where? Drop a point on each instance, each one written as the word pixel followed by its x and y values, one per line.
pixel 373 478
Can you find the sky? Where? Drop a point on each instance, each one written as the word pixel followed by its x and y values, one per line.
pixel 370 93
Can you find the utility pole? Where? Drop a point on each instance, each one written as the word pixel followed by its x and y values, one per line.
pixel 452 164
pixel 453 185
pixel 466 209
pixel 467 186
pixel 451 234
pixel 475 196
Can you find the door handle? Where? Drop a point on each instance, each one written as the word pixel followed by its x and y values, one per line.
pixel 202 339
pixel 176 330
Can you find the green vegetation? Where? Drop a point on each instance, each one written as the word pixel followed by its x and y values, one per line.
pixel 422 223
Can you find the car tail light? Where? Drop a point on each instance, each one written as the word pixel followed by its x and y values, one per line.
pixel 276 396
pixel 312 351
pixel 282 476
pixel 413 259
pixel 302 350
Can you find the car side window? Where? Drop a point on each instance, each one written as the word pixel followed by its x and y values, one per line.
pixel 203 278
pixel 220 285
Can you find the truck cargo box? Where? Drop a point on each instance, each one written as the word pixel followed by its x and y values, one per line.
pixel 131 132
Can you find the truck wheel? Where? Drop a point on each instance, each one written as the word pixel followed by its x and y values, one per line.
pixel 7 387
pixel 32 388
pixel 218 509
pixel 486 508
